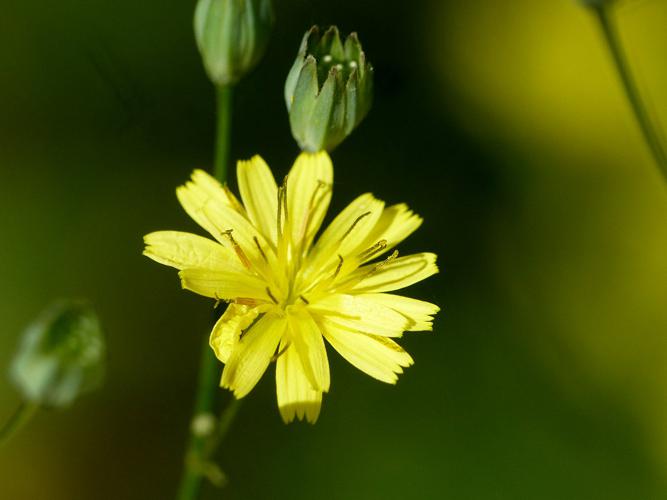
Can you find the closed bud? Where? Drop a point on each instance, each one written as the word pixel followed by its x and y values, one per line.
pixel 329 89
pixel 232 36
pixel 61 355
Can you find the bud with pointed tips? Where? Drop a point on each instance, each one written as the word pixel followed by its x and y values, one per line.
pixel 232 36
pixel 61 355
pixel 329 89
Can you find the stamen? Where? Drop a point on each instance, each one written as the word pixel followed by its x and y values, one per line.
pixel 304 299
pixel 372 271
pixel 281 352
pixel 245 302
pixel 280 209
pixel 314 203
pixel 369 252
pixel 285 197
pixel 380 265
pixel 356 221
pixel 259 247
pixel 338 267
pixel 268 292
pixel 237 248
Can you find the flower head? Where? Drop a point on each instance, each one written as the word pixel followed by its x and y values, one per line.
pixel 287 291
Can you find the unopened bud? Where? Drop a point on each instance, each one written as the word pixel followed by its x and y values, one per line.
pixel 329 89
pixel 232 36
pixel 61 355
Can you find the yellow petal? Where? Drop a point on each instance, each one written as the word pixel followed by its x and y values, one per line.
pixel 379 357
pixel 359 314
pixel 391 275
pixel 203 191
pixel 259 194
pixel 181 250
pixel 350 229
pixel 252 355
pixel 228 328
pixel 296 397
pixel 419 313
pixel 223 285
pixel 306 337
pixel 308 194
pixel 396 223
pixel 227 225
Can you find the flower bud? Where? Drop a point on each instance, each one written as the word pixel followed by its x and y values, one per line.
pixel 61 355
pixel 232 36
pixel 329 89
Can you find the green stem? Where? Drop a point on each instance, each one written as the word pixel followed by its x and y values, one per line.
pixel 201 446
pixel 226 419
pixel 223 132
pixel 648 128
pixel 19 418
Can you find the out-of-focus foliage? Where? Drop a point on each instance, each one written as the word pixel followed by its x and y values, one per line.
pixel 61 355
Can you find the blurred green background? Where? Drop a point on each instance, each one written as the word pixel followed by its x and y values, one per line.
pixel 502 123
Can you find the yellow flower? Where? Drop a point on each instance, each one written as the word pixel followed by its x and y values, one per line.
pixel 286 291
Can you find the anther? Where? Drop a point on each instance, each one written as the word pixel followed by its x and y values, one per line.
pixel 386 261
pixel 280 209
pixel 285 197
pixel 327 58
pixel 338 267
pixel 356 221
pixel 313 204
pixel 369 252
pixel 259 247
pixel 237 248
pixel 353 64
pixel 268 292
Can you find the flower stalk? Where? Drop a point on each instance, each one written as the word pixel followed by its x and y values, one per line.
pixel 648 128
pixel 204 442
pixel 224 129
pixel 25 411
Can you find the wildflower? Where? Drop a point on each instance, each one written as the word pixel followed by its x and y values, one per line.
pixel 287 291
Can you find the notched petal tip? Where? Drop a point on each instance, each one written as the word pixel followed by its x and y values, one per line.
pixel 303 410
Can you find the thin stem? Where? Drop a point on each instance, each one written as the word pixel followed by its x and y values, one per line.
pixel 202 445
pixel 23 413
pixel 648 128
pixel 223 133
pixel 224 424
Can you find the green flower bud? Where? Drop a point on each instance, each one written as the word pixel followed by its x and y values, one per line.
pixel 232 36
pixel 328 90
pixel 61 355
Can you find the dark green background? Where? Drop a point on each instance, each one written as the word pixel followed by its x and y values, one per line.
pixel 545 375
